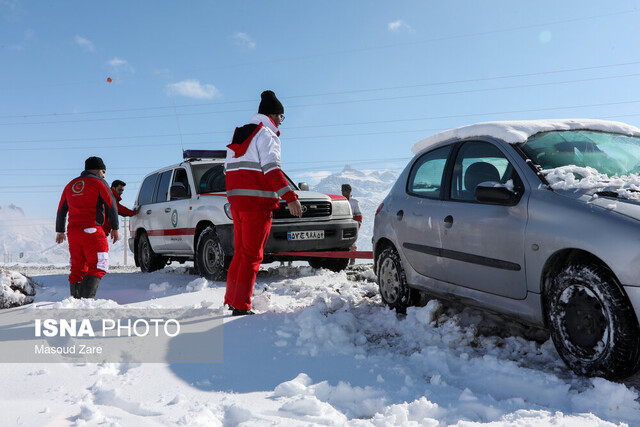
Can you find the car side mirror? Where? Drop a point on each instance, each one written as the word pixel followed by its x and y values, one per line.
pixel 303 186
pixel 178 191
pixel 496 194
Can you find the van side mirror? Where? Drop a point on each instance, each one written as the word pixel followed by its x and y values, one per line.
pixel 303 186
pixel 496 194
pixel 178 191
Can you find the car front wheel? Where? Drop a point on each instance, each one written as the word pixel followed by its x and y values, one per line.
pixel 210 257
pixel 593 325
pixel 392 281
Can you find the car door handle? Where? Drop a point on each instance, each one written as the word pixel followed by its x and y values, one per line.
pixel 149 212
pixel 167 210
pixel 448 221
pixel 399 215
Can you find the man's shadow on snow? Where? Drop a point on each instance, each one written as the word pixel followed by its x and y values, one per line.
pixel 256 358
pixel 123 288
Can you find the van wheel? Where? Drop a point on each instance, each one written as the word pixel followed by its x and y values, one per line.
pixel 210 257
pixel 148 259
pixel 392 281
pixel 593 326
pixel 333 264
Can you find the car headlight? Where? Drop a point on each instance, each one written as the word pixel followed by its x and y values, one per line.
pixel 341 208
pixel 227 210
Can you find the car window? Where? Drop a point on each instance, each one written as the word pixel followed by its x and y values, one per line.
pixel 209 178
pixel 180 177
pixel 478 162
pixel 146 190
pixel 425 178
pixel 162 188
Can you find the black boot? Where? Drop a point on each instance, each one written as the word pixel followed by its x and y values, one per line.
pixel 74 289
pixel 89 286
pixel 237 312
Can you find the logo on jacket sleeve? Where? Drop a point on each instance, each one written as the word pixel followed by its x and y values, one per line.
pixel 78 186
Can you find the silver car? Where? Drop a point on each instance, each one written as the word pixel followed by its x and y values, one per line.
pixel 538 220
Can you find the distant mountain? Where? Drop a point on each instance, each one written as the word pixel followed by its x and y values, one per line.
pixel 369 187
pixel 364 183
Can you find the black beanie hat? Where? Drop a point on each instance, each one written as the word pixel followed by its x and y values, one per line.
pixel 94 163
pixel 270 104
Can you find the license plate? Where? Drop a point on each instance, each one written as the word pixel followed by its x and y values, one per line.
pixel 305 235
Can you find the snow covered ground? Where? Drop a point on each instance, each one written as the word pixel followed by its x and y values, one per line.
pixel 322 350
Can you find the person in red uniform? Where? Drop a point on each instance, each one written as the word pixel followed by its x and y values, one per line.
pixel 117 188
pixel 355 210
pixel 255 183
pixel 88 201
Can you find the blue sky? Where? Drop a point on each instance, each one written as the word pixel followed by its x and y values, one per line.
pixel 360 81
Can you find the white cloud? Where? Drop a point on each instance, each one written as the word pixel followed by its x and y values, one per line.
pixel 117 64
pixel 192 88
pixel 85 44
pixel 244 39
pixel 399 25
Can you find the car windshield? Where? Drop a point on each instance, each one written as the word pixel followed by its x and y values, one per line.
pixel 210 178
pixel 608 153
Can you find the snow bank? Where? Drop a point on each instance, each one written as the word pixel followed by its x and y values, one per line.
pixel 16 289
pixel 322 350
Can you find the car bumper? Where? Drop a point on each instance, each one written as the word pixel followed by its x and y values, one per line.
pixel 338 235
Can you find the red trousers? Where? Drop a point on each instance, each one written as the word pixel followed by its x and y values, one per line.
pixel 251 231
pixel 89 249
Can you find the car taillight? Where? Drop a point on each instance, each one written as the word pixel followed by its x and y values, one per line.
pixel 379 208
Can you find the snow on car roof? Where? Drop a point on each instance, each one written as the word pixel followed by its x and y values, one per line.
pixel 518 131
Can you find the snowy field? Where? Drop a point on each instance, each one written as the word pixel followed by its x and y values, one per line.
pixel 322 350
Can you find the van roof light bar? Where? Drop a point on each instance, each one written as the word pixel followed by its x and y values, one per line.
pixel 204 154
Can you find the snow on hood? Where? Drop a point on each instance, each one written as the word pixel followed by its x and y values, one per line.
pixel 590 180
pixel 619 194
pixel 514 132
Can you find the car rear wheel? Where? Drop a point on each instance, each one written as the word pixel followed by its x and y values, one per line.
pixel 593 325
pixel 392 281
pixel 210 257
pixel 149 261
pixel 333 264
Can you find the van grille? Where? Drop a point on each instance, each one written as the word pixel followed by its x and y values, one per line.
pixel 309 210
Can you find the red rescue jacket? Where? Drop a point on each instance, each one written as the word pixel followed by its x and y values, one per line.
pixel 123 211
pixel 253 176
pixel 87 199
